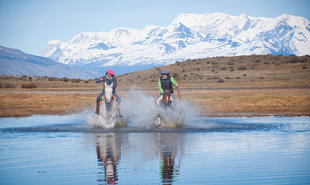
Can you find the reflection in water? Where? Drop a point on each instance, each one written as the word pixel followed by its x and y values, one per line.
pixel 108 155
pixel 169 144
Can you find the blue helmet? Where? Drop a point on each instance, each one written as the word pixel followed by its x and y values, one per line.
pixel 164 72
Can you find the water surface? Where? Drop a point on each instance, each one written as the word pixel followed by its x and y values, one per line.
pixel 65 150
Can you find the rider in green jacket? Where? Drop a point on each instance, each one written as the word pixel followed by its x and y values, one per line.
pixel 168 81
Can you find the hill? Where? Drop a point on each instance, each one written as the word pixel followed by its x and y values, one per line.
pixel 252 71
pixel 16 62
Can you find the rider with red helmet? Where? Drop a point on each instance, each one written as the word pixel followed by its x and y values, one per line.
pixel 108 78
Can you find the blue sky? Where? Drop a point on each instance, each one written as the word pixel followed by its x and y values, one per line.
pixel 29 24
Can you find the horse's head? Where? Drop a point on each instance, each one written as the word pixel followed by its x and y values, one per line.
pixel 166 95
pixel 108 92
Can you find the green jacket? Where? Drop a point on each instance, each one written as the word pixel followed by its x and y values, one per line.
pixel 160 88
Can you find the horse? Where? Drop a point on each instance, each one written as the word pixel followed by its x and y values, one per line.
pixel 109 107
pixel 166 103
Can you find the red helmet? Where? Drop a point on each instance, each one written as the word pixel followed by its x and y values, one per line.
pixel 110 72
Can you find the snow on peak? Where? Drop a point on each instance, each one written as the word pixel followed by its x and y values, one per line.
pixel 188 36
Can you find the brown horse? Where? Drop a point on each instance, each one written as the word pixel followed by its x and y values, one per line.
pixel 165 100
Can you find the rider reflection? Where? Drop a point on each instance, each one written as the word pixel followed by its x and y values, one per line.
pixel 108 155
pixel 169 145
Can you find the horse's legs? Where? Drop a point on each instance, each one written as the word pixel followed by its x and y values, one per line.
pixel 99 99
pixel 97 107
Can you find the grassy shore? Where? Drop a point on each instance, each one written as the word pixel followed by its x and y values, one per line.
pixel 241 102
pixel 220 86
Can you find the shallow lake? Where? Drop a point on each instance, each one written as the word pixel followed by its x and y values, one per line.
pixel 243 150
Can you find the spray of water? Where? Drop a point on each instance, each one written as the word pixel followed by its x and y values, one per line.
pixel 139 110
pixel 106 118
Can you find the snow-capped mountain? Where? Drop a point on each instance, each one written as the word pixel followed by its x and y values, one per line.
pixel 16 62
pixel 189 36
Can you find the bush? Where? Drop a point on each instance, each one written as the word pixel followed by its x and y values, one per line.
pixel 65 79
pixel 220 81
pixel 7 85
pixel 242 68
pixel 29 85
pixel 51 79
pixel 76 80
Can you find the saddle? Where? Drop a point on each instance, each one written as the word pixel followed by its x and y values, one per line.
pixel 102 98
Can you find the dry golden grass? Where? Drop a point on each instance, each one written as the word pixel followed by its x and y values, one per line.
pixel 221 86
pixel 212 102
pixel 28 104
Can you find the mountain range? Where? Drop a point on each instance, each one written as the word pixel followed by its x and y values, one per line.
pixel 189 36
pixel 16 62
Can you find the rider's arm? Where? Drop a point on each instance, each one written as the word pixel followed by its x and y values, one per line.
pixel 160 88
pixel 114 83
pixel 173 81
pixel 98 80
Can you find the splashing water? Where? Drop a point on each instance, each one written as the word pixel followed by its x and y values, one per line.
pixel 142 111
pixel 105 119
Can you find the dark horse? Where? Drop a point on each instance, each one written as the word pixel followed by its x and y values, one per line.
pixel 165 102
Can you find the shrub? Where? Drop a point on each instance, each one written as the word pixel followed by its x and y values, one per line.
pixel 220 81
pixel 224 68
pixel 32 85
pixel 65 79
pixel 175 75
pixel 7 85
pixel 51 79
pixel 242 68
pixel 76 80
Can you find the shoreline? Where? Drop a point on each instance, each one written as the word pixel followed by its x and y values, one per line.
pixel 232 102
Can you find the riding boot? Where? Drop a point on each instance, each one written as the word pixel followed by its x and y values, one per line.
pixel 97 107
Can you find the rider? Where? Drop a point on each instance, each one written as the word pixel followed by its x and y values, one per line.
pixel 166 80
pixel 108 78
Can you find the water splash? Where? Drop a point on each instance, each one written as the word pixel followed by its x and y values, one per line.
pixel 140 109
pixel 104 119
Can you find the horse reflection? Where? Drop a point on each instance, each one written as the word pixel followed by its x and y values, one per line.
pixel 169 144
pixel 108 155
